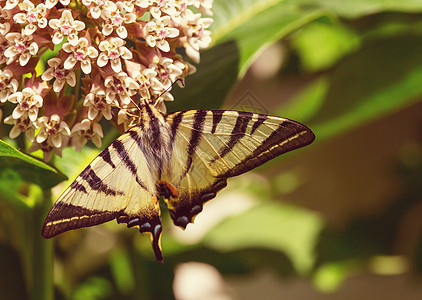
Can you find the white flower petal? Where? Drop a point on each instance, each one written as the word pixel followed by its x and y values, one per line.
pixel 48 74
pixel 116 65
pixel 33 114
pixel 107 29
pixel 71 79
pixel 56 140
pixel 92 113
pixel 86 66
pixel 102 59
pixel 42 136
pixel 15 132
pixel 17 113
pixel 58 85
pixel 70 62
pixel 122 32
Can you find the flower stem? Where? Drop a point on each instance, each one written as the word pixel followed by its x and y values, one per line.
pixel 42 272
pixel 78 85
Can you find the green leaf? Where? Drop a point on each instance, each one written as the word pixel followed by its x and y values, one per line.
pixel 122 270
pixel 307 102
pixel 321 45
pixel 209 86
pixel 329 276
pixel 252 25
pixel 27 167
pixel 382 77
pixel 359 8
pixel 284 228
pixel 93 288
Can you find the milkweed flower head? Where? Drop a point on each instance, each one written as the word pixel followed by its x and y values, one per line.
pixel 104 57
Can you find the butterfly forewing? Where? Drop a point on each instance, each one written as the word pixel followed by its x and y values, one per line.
pixel 221 144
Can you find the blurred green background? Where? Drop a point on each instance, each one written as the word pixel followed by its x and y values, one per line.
pixel 340 219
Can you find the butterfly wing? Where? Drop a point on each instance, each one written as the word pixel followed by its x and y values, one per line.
pixel 209 146
pixel 116 184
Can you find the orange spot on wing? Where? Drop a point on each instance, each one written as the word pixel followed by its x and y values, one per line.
pixel 155 199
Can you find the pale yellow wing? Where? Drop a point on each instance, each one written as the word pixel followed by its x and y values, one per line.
pixel 117 184
pixel 208 146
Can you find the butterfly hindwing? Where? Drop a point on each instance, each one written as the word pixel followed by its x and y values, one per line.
pixel 209 146
pixel 116 184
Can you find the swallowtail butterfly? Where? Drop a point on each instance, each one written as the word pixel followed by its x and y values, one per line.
pixel 184 157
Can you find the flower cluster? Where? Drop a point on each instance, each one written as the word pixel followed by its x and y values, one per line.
pixel 100 58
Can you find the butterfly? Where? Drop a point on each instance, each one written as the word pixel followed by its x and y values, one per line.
pixel 184 157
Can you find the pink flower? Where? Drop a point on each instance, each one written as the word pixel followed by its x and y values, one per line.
pixel 66 26
pixel 159 6
pixel 197 37
pixel 91 71
pixel 8 84
pixel 115 18
pixel 96 6
pixel 82 52
pixel 52 128
pixel 59 73
pixel 112 50
pixel 156 32
pixel 167 71
pixel 84 131
pixel 120 87
pixel 34 17
pixel 21 46
pixel 203 6
pixel 22 124
pixel 97 103
pixel 48 147
pixel 148 82
pixel 28 104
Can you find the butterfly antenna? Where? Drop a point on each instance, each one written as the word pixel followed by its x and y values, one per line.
pixel 126 110
pixel 168 89
pixel 134 103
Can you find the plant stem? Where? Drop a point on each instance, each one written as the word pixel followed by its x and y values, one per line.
pixel 42 272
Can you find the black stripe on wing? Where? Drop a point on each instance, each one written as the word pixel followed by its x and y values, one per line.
pixel 198 124
pixel 96 183
pixel 105 155
pixel 124 156
pixel 259 122
pixel 177 119
pixel 238 132
pixel 217 115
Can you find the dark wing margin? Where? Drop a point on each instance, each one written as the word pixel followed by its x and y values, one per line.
pixel 63 217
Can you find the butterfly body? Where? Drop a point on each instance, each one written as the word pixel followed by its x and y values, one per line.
pixel 184 157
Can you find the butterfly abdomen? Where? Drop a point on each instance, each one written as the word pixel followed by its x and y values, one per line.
pixel 152 138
